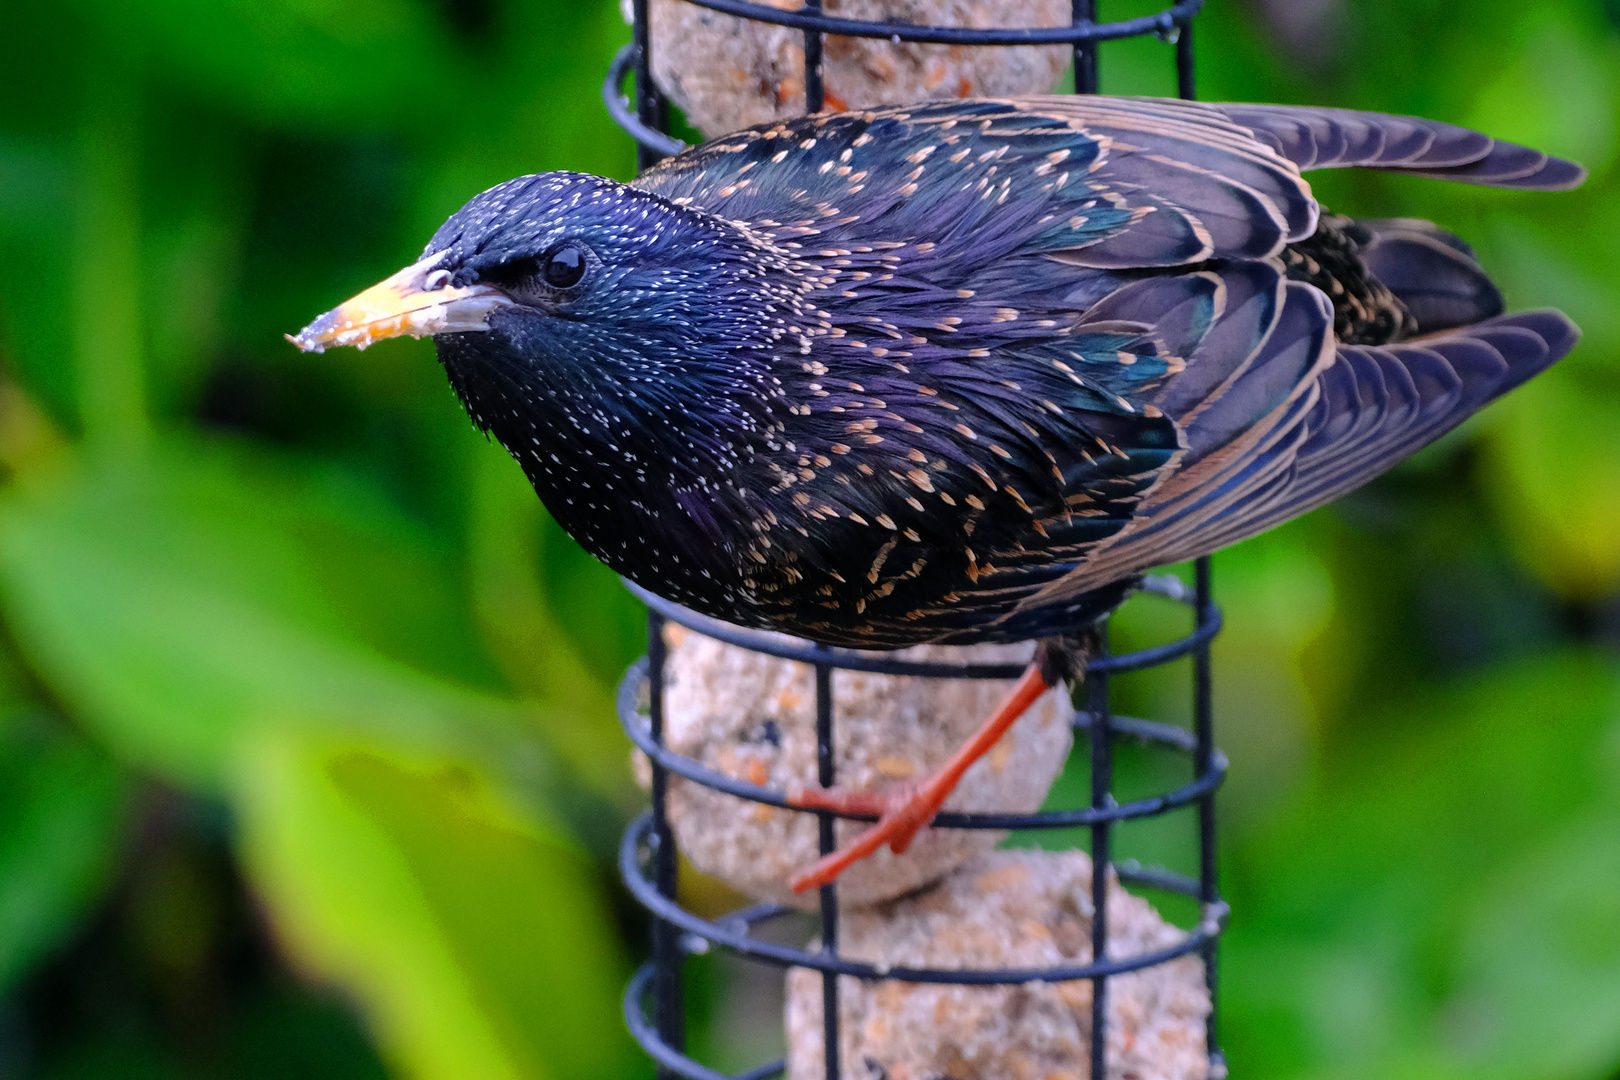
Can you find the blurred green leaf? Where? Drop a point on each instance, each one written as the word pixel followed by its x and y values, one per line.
pixel 36 215
pixel 477 940
pixel 106 313
pixel 180 599
pixel 526 637
pixel 322 63
pixel 1352 957
pixel 195 219
pixel 1278 598
pixel 1555 459
pixel 61 804
pixel 1557 90
pixel 288 1033
pixel 116 1059
pixel 1539 964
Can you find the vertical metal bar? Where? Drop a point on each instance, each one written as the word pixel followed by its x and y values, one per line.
pixel 1085 52
pixel 652 108
pixel 1203 702
pixel 826 775
pixel 1086 82
pixel 1186 88
pixel 1204 763
pixel 668 1006
pixel 1102 782
pixel 815 93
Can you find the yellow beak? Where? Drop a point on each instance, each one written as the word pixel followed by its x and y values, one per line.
pixel 414 301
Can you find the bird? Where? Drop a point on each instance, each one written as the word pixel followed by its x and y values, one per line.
pixel 960 371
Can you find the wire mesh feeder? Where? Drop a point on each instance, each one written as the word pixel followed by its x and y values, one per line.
pixel 648 854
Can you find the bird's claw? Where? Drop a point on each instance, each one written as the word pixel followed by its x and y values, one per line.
pixel 853 800
pixel 902 812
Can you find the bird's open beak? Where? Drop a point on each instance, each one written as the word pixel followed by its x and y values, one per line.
pixel 406 303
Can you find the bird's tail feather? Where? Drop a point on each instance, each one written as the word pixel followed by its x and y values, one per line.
pixel 1432 272
pixel 1320 138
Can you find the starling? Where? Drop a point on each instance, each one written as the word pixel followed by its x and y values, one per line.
pixel 959 371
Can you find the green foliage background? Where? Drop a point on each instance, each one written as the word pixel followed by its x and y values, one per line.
pixel 307 762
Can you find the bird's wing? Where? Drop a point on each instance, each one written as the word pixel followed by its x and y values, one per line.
pixel 1267 339
pixel 1368 409
pixel 994 480
pixel 1121 182
pixel 1379 404
pixel 1156 184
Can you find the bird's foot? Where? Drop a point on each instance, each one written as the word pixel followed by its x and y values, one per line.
pixel 903 811
pixel 853 800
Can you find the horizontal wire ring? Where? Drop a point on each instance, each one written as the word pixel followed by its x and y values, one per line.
pixel 739 941
pixel 1147 731
pixel 618 107
pixel 1164 22
pixel 762 641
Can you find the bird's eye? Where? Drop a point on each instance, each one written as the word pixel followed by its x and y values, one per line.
pixel 564 266
pixel 540 278
pixel 436 280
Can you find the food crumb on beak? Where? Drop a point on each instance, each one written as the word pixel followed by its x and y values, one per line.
pixel 403 303
pixel 333 328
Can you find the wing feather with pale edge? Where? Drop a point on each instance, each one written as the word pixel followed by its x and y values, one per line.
pixel 1369 408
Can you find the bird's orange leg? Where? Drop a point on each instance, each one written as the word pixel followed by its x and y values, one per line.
pixel 906 811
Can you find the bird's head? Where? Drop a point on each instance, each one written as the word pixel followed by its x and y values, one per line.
pixel 562 290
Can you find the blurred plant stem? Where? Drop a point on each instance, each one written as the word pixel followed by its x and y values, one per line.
pixel 106 310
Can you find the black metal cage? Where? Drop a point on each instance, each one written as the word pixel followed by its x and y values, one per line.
pixel 648 855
